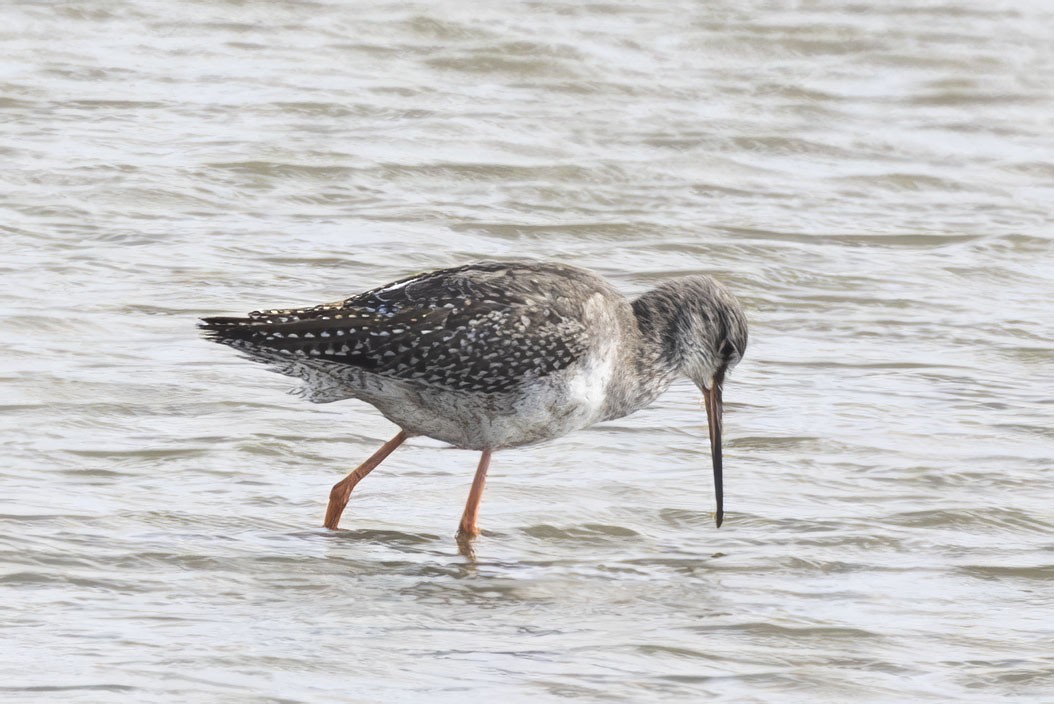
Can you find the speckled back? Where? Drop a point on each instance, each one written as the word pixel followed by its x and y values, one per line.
pixel 485 327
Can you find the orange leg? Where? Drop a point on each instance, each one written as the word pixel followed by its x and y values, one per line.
pixel 468 528
pixel 341 492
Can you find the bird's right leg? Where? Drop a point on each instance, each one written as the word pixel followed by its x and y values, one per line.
pixel 341 492
pixel 468 528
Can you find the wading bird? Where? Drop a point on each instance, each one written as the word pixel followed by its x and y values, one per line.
pixel 500 354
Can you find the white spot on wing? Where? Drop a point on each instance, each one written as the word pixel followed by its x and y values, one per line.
pixel 399 285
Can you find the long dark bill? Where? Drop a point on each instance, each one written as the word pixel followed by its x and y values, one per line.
pixel 712 397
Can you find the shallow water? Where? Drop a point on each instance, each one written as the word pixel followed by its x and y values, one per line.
pixel 874 180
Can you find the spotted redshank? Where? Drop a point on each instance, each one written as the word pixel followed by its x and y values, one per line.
pixel 500 354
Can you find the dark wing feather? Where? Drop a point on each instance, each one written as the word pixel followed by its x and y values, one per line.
pixel 486 328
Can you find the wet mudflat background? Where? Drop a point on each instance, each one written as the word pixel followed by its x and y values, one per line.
pixel 873 180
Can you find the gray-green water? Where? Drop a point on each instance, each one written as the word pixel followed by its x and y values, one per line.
pixel 874 180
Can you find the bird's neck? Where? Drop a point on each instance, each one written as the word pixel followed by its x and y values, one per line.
pixel 651 356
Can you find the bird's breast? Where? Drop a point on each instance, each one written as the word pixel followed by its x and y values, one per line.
pixel 538 410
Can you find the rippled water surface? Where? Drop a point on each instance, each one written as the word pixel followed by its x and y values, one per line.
pixel 873 179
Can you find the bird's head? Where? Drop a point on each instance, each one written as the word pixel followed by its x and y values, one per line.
pixel 703 334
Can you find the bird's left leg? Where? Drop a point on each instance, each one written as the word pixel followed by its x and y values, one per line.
pixel 468 528
pixel 341 492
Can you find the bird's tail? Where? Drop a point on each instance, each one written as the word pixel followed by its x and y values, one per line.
pixel 228 330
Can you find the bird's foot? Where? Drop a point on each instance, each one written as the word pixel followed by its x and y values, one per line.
pixel 466 542
pixel 338 499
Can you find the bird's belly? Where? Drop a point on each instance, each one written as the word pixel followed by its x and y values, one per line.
pixel 477 421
